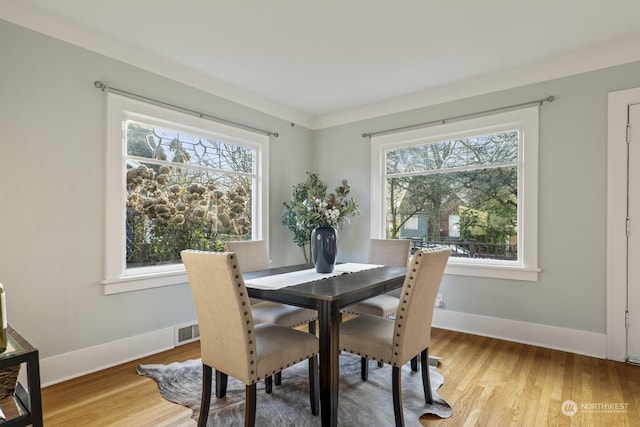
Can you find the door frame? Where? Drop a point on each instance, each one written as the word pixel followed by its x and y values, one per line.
pixel 618 104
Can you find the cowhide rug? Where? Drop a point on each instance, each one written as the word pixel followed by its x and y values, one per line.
pixel 361 403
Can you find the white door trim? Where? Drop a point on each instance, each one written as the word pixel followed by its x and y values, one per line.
pixel 618 104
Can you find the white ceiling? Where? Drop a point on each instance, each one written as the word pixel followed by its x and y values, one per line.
pixel 325 62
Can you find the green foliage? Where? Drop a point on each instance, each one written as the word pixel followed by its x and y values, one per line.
pixel 470 177
pixel 312 207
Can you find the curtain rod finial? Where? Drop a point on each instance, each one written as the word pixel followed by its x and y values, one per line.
pixel 550 98
pixel 100 85
pixel 366 135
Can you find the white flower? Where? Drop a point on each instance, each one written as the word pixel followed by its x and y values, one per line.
pixel 332 215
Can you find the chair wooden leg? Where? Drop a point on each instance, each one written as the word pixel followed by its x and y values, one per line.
pixel 221 384
pixel 205 399
pixel 314 385
pixel 426 378
pixel 277 378
pixel 250 406
pixel 397 396
pixel 268 384
pixel 414 364
pixel 364 368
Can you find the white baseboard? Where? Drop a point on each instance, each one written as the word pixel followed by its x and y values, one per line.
pixel 70 365
pixel 553 337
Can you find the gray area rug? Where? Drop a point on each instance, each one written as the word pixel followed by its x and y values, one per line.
pixel 360 403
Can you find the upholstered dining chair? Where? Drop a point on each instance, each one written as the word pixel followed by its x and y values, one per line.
pixel 231 343
pixel 391 252
pixel 397 341
pixel 253 255
pixel 395 253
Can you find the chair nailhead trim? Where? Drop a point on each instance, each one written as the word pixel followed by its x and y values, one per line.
pixel 304 322
pixel 378 359
pixel 247 314
pixel 266 375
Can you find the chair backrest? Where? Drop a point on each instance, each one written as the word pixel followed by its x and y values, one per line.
pixel 224 316
pixel 412 332
pixel 253 255
pixel 392 252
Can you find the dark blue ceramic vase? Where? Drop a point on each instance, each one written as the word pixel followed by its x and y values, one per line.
pixel 324 248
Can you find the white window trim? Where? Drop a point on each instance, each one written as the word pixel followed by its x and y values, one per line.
pixel 117 278
pixel 526 120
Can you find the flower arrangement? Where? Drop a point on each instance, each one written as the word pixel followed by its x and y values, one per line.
pixel 311 207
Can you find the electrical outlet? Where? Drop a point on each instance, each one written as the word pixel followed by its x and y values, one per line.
pixel 439 300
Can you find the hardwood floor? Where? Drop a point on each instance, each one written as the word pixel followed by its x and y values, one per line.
pixel 488 382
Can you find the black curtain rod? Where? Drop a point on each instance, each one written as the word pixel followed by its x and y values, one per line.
pixel 550 98
pixel 106 88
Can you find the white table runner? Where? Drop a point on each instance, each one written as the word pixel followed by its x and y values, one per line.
pixel 303 276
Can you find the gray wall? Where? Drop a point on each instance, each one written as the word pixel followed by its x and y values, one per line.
pixel 571 291
pixel 52 192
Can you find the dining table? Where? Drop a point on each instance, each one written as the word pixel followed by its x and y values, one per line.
pixel 301 286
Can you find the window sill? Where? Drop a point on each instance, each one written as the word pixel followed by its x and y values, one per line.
pixel 177 277
pixel 508 272
pixel 144 281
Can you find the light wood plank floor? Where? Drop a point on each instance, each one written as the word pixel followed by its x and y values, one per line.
pixel 488 382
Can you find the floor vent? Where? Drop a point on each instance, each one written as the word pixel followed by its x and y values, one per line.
pixel 186 333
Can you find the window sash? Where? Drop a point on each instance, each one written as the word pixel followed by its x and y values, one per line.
pixel 526 122
pixel 459 154
pixel 188 132
pixel 117 277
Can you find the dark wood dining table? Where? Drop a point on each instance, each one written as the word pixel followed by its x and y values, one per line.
pixel 329 296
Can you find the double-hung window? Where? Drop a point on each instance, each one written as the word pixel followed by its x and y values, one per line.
pixel 176 181
pixel 470 185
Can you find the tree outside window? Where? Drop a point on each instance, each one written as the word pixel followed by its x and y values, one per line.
pixel 472 179
pixel 183 191
pixel 176 181
pixel 472 185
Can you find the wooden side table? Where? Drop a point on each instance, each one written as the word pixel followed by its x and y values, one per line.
pixel 25 406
